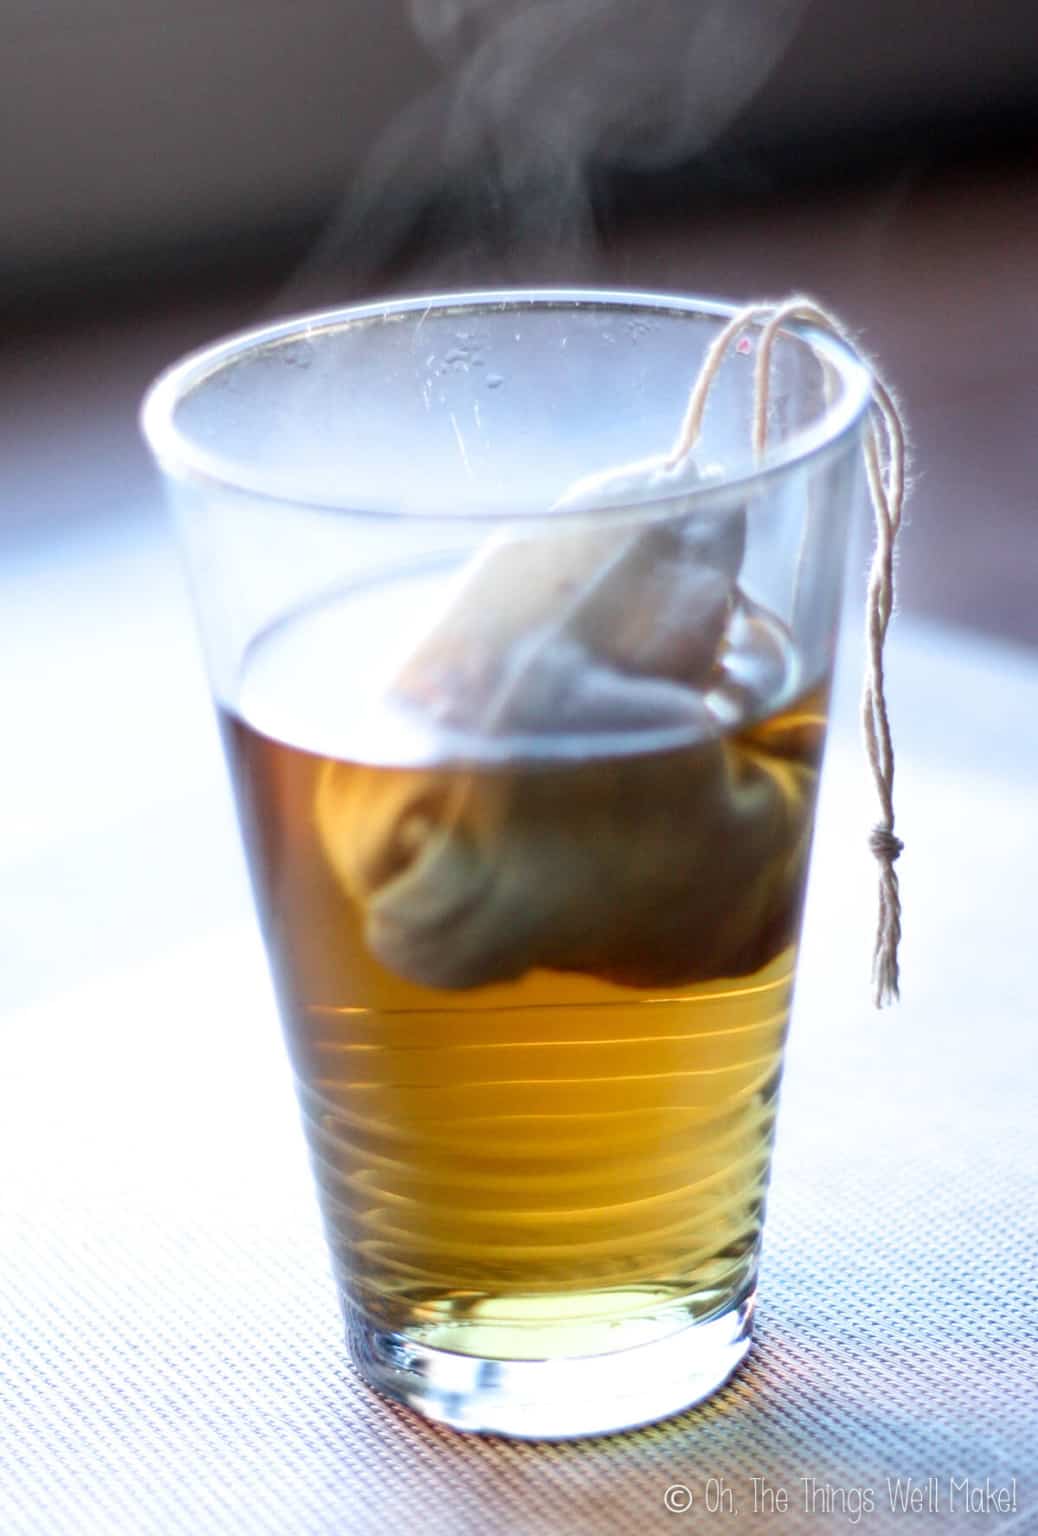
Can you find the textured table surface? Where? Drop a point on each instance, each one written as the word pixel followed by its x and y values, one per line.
pixel 170 1350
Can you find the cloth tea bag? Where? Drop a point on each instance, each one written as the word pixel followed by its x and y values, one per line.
pixel 645 869
pixel 606 626
pixel 649 870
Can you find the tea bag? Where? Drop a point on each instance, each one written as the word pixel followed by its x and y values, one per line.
pixel 651 869
pixel 609 626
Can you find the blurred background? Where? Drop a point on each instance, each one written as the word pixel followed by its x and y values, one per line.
pixel 170 171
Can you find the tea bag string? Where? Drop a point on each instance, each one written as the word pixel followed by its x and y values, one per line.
pixel 884 451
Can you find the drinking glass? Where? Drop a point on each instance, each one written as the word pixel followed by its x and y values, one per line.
pixel 525 723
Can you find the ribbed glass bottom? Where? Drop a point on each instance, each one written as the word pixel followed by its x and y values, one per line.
pixel 667 1367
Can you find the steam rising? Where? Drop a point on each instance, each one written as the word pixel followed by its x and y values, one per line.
pixel 535 96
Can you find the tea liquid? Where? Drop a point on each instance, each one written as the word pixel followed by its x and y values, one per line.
pixel 561 1161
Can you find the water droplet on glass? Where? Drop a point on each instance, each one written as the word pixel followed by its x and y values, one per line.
pixel 297 355
pixel 494 381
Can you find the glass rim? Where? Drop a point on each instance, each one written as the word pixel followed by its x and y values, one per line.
pixel 178 456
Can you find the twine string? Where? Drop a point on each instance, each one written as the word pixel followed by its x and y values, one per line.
pixel 884 453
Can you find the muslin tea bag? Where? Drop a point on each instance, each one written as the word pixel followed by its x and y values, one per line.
pixel 651 869
pixel 604 626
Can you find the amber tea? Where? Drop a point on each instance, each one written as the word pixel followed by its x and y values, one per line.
pixel 535 989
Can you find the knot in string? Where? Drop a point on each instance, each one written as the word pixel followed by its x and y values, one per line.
pixel 887 848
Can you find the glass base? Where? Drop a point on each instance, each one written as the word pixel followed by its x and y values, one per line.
pixel 561 1398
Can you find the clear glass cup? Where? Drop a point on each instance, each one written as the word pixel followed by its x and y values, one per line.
pixel 525 746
